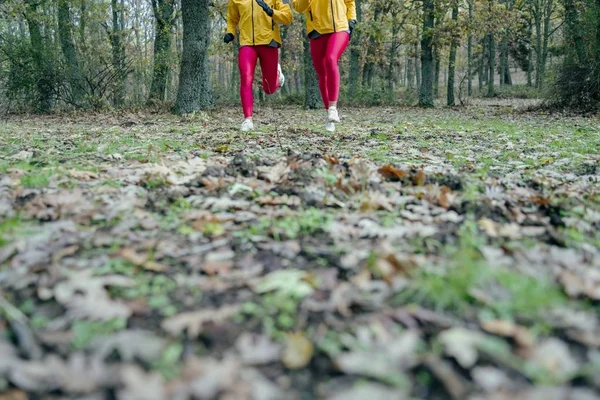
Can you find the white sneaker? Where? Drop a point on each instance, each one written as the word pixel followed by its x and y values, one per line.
pixel 281 76
pixel 247 125
pixel 330 127
pixel 332 114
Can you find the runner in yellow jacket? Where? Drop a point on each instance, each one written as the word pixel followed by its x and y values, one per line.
pixel 329 24
pixel 258 22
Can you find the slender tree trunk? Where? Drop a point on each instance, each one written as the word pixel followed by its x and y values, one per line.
pixel 544 51
pixel 598 39
pixel 574 31
pixel 436 79
pixel 538 48
pixel 369 69
pixel 312 96
pixel 410 78
pixel 470 50
pixel 118 54
pixel 235 70
pixel 82 22
pixel 482 71
pixel 491 64
pixel 164 17
pixel 41 59
pixel 195 92
pixel 530 56
pixel 391 76
pixel 284 57
pixel 426 91
pixel 452 58
pixel 75 78
pixel 355 52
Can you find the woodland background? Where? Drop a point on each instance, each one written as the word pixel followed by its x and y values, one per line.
pixel 96 54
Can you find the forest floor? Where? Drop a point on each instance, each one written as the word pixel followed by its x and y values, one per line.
pixel 448 253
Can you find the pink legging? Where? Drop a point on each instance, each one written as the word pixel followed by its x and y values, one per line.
pixel 269 58
pixel 326 51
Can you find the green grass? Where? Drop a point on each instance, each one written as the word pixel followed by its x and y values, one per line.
pixel 308 222
pixel 452 288
pixel 84 332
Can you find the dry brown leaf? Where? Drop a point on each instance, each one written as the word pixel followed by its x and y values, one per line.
pixel 576 285
pixel 391 173
pixel 218 262
pixel 141 385
pixel 370 391
pixel 141 260
pixel 193 322
pixel 85 176
pixel 293 201
pixel 275 174
pixel 453 382
pixel 419 178
pixel 64 252
pixel 489 227
pixel 298 351
pixel 520 334
pixel 84 295
pixel 14 395
pixel 257 349
pixel 554 356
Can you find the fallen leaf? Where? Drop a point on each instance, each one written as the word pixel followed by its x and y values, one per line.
pixel 370 391
pixel 489 227
pixel 556 358
pixel 391 173
pixel 257 349
pixel 85 296
pixel 462 344
pixel 130 345
pixel 193 322
pixel 141 385
pixel 453 382
pixel 521 335
pixel 275 174
pixel 419 178
pixel 298 351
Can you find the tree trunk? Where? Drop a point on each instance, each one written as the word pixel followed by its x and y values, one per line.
pixel 544 50
pixel 284 58
pixel 312 95
pixel 355 52
pixel 118 54
pixel 164 17
pixel 41 59
pixel 491 64
pixel 391 76
pixel 82 22
pixel 426 90
pixel 598 40
pixel 195 92
pixel 369 69
pixel 481 67
pixel 436 79
pixel 452 58
pixel 235 71
pixel 470 50
pixel 74 77
pixel 574 31
pixel 410 78
pixel 530 56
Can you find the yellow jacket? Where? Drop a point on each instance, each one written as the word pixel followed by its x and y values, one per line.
pixel 256 27
pixel 326 16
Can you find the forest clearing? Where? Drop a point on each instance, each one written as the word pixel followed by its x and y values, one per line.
pixel 415 254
